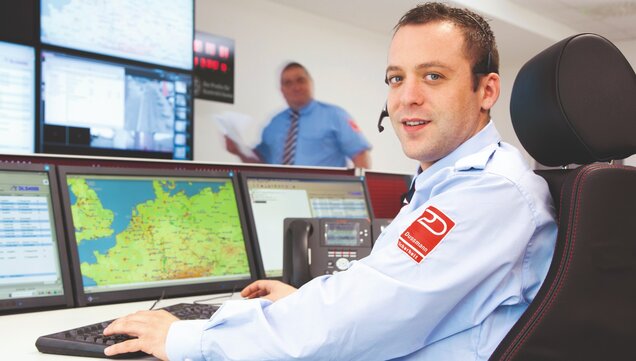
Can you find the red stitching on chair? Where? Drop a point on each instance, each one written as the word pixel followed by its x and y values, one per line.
pixel 558 279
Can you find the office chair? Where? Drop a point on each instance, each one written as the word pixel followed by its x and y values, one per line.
pixel 575 103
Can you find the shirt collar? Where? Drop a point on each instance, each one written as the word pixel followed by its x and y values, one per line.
pixel 468 155
pixel 306 109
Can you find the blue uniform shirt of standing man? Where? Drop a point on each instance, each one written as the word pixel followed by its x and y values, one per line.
pixel 327 136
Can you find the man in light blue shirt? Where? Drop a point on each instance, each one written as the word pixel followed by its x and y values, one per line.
pixel 449 276
pixel 326 134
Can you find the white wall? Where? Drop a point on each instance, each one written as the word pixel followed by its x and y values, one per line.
pixel 346 62
pixel 347 65
pixel 628 48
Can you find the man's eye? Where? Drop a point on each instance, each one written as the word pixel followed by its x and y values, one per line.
pixel 433 76
pixel 393 79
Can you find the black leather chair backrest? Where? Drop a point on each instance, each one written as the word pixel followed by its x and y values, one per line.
pixel 575 102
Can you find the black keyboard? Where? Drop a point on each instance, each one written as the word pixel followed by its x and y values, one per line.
pixel 89 341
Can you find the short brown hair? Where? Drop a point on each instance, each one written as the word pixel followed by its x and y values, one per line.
pixel 479 39
pixel 292 65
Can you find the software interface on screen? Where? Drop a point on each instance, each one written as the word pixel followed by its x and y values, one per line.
pixel 17 98
pixel 121 107
pixel 29 263
pixel 134 232
pixel 151 31
pixel 272 200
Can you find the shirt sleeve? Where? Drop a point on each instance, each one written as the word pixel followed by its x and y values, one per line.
pixel 265 149
pixel 388 305
pixel 350 138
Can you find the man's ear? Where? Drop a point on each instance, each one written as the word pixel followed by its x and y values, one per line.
pixel 490 89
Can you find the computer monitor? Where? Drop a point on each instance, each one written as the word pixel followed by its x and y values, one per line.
pixel 272 197
pixel 34 272
pixel 17 98
pixel 17 21
pixel 151 31
pixel 142 233
pixel 99 107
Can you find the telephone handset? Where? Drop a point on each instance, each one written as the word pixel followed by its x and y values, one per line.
pixel 295 252
pixel 318 246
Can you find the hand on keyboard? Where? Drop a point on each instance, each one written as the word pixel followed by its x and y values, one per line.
pixel 150 329
pixel 90 340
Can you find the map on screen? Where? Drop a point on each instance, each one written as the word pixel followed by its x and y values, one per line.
pixel 153 31
pixel 136 232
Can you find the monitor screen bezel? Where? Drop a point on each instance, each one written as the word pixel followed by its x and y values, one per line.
pixel 245 176
pixel 87 299
pixel 30 304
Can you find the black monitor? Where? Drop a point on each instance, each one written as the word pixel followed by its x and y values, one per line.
pixel 17 98
pixel 159 32
pixel 142 233
pixel 34 272
pixel 107 108
pixel 272 197
pixel 18 21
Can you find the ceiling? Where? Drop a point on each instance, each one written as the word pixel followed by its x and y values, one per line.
pixel 614 19
pixel 522 27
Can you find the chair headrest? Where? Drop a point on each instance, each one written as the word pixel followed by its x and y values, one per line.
pixel 575 102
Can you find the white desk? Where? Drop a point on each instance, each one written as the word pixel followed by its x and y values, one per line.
pixel 19 332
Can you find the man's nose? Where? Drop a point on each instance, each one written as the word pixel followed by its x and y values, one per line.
pixel 411 93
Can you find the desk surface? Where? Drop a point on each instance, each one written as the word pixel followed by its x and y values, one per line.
pixel 20 331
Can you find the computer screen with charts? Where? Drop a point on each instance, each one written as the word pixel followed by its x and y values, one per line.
pixel 34 271
pixel 272 197
pixel 143 233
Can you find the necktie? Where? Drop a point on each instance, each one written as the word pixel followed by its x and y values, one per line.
pixel 290 143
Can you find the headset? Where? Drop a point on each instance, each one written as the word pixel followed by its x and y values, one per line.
pixel 487 70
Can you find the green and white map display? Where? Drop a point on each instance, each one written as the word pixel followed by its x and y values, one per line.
pixel 138 230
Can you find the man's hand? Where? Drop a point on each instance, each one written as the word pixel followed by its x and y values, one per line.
pixel 269 289
pixel 233 148
pixel 362 160
pixel 150 328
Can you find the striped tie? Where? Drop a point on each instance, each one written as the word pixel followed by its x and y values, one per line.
pixel 290 143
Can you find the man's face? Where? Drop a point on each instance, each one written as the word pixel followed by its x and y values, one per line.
pixel 431 101
pixel 296 86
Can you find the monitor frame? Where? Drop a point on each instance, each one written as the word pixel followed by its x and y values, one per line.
pixel 116 296
pixel 244 176
pixel 30 304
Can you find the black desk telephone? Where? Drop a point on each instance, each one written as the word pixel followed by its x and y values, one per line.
pixel 318 246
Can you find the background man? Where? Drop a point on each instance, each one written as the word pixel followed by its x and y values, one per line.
pixel 309 132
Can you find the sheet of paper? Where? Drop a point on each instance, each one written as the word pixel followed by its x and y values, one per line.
pixel 240 128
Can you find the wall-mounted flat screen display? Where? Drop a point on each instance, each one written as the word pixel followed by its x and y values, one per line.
pixel 151 31
pixel 97 107
pixel 17 98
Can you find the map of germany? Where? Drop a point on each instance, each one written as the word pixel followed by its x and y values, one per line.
pixel 160 230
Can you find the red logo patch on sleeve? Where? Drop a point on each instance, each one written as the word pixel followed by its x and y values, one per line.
pixel 354 126
pixel 425 233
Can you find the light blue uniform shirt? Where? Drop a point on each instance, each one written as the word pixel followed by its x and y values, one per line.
pixel 457 303
pixel 327 136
